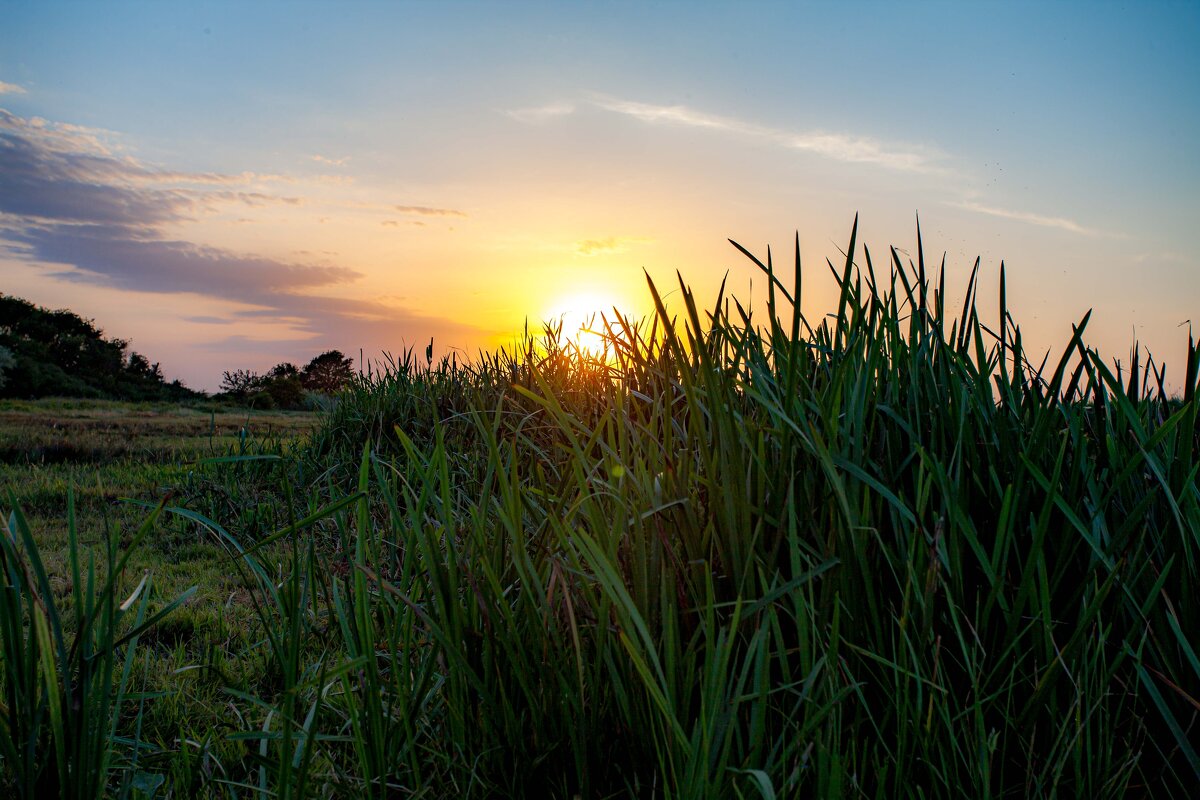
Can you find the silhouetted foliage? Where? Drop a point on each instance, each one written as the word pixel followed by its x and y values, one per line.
pixel 285 392
pixel 7 362
pixel 328 372
pixel 58 353
pixel 284 370
pixel 281 387
pixel 239 383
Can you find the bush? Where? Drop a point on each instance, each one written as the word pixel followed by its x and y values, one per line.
pixel 261 399
pixel 285 392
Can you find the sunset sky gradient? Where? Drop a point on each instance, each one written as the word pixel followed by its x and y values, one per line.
pixel 234 185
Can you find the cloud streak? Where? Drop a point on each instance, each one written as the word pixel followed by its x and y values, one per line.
pixel 331 162
pixel 540 114
pixel 429 211
pixel 71 174
pixel 134 258
pixel 1062 223
pixel 42 181
pixel 69 199
pixel 11 88
pixel 836 146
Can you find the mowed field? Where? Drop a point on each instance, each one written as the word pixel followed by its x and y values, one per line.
pixel 46 433
pixel 107 453
pixel 113 458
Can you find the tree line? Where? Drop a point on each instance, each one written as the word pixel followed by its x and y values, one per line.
pixel 45 353
pixel 285 385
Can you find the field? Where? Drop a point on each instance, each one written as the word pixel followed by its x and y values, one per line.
pixel 889 554
pixel 109 456
pixel 108 452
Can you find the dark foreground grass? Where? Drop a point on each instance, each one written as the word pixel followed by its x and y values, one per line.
pixel 881 556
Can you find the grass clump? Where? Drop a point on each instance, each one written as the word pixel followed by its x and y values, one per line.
pixel 67 665
pixel 882 555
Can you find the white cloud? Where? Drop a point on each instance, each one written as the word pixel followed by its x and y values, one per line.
pixel 837 146
pixel 541 113
pixel 332 162
pixel 1062 223
pixel 11 88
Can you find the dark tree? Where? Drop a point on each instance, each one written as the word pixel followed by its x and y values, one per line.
pixel 284 370
pixel 327 372
pixel 140 367
pixel 283 385
pixel 240 382
pixel 286 392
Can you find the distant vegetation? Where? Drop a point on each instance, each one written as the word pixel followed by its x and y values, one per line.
pixel 46 353
pixel 287 386
pixel 884 555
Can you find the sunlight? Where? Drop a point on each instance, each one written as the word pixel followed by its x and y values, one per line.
pixel 582 325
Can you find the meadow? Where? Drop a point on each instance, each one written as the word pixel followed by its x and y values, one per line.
pixel 887 553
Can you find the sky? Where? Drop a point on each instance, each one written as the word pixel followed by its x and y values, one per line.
pixel 232 185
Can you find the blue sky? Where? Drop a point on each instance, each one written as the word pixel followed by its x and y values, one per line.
pixel 234 186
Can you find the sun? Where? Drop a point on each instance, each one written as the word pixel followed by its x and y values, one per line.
pixel 581 318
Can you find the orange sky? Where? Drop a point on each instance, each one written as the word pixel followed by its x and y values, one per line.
pixel 233 187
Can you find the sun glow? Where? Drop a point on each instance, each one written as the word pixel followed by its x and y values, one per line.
pixel 582 318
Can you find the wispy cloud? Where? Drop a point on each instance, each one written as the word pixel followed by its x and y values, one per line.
pixel 134 258
pixel 539 114
pixel 67 199
pixel 332 162
pixel 11 88
pixel 429 211
pixel 138 173
pixel 837 146
pixel 1162 256
pixel 1062 223
pixel 44 177
pixel 390 209
pixel 252 199
pixel 81 167
pixel 607 245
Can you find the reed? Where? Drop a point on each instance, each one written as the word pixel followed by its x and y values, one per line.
pixel 886 553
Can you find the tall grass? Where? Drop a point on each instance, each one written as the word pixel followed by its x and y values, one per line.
pixel 881 554
pixel 67 664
